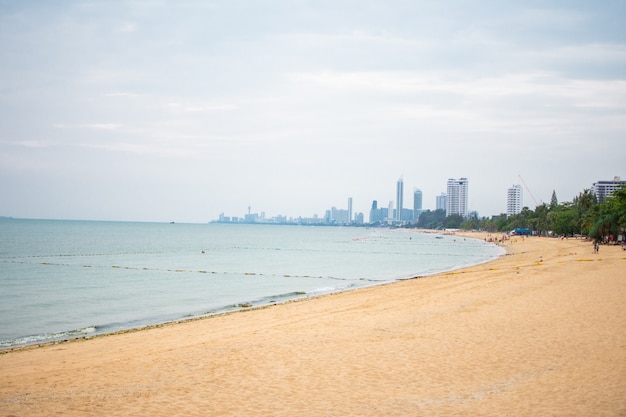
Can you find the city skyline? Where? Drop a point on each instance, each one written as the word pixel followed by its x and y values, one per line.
pixel 392 215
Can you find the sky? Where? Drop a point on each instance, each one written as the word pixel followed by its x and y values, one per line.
pixel 161 110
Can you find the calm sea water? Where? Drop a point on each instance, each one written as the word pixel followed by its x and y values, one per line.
pixel 63 279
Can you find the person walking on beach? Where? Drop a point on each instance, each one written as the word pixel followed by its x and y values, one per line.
pixel 596 246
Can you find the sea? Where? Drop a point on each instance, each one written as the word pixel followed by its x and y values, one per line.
pixel 69 279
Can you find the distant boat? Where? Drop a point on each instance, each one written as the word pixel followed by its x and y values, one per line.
pixel 172 223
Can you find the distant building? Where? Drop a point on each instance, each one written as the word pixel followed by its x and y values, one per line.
pixel 514 200
pixel 604 189
pixel 417 203
pixel 456 201
pixel 338 216
pixel 251 218
pixel 374 212
pixel 350 210
pixel 406 215
pixel 377 215
pixel 441 201
pixel 399 199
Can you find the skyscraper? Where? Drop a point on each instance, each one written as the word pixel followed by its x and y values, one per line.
pixel 514 200
pixel 350 210
pixel 375 214
pixel 456 201
pixel 417 203
pixel 441 201
pixel 399 197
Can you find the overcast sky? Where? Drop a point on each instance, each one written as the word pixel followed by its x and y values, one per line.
pixel 180 110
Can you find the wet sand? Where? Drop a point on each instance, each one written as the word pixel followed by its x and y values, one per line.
pixel 540 331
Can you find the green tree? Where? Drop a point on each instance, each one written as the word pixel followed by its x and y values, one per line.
pixel 584 203
pixel 618 204
pixel 453 221
pixel 609 218
pixel 540 220
pixel 522 220
pixel 554 202
pixel 472 223
pixel 565 219
pixel 502 224
pixel 431 219
pixel 602 220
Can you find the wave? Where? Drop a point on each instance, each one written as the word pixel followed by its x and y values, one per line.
pixel 45 338
pixel 48 337
pixel 267 300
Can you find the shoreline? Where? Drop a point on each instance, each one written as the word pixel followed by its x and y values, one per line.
pixel 246 305
pixel 537 331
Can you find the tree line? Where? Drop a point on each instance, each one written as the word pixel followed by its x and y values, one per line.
pixel 583 216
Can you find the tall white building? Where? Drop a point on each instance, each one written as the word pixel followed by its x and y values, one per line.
pixel 349 209
pixel 456 200
pixel 399 198
pixel 604 189
pixel 514 200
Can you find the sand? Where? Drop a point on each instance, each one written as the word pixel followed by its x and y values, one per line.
pixel 540 331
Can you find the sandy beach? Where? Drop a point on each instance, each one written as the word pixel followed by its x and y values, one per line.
pixel 540 331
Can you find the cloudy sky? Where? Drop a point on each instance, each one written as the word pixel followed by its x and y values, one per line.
pixel 180 110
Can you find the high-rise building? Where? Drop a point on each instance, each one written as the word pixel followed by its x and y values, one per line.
pixel 441 201
pixel 377 215
pixel 350 210
pixel 338 216
pixel 374 213
pixel 514 200
pixel 399 198
pixel 604 189
pixel 456 201
pixel 417 203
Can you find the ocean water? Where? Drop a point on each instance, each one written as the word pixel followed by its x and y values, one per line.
pixel 65 279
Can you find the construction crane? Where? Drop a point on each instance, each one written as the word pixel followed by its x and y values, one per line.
pixel 537 204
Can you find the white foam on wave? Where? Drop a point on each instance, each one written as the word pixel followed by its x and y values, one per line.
pixel 323 290
pixel 48 337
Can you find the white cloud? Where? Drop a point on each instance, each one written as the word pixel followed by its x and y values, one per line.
pixel 35 144
pixel 122 94
pixel 176 107
pixel 96 126
pixel 104 126
pixel 127 27
pixel 337 98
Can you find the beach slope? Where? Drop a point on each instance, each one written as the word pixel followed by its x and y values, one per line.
pixel 539 331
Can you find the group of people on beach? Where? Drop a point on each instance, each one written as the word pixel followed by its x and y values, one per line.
pixel 497 240
pixel 610 240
